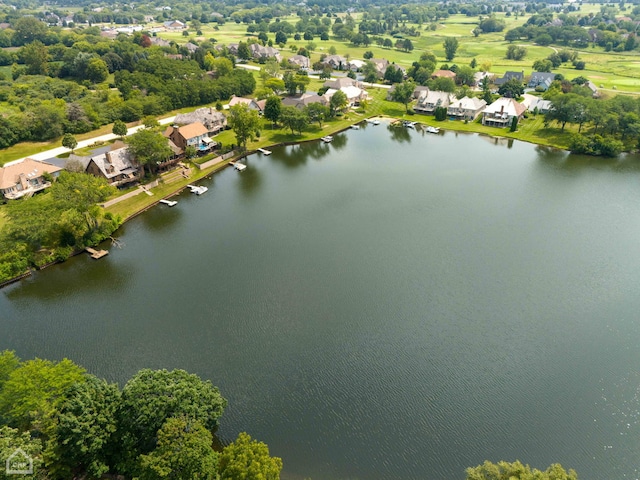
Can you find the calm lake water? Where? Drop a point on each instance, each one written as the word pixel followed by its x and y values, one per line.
pixel 394 305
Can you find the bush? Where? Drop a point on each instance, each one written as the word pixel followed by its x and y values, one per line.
pixel 411 111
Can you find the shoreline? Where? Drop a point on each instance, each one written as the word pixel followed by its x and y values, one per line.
pixel 208 172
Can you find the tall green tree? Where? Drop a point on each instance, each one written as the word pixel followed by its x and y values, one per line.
pixel 272 109
pixel 516 470
pixel 244 122
pixel 35 57
pixel 12 439
pixel 512 88
pixel 151 397
pixel 247 459
pixel 338 102
pixel 184 450
pixel 83 439
pixel 119 128
pixel 450 47
pixel 293 118
pixel 69 141
pixel 403 93
pixel 31 395
pixel 316 112
pixel 149 148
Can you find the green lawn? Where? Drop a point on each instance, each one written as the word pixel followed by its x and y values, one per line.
pixel 3 217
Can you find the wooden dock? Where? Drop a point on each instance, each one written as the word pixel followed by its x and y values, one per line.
pixel 238 166
pixel 264 152
pixel 96 253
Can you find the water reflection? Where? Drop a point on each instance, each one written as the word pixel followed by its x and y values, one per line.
pixel 340 141
pixel 250 181
pixel 399 133
pixel 296 155
pixel 563 160
pixel 162 216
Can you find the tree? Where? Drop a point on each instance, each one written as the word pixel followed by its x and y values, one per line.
pixel 393 74
pixel 272 109
pixel 8 363
pixel 69 141
pixel 442 84
pixel 281 37
pixel 275 84
pixel 244 122
pixel 293 118
pixel 119 128
pixel 151 397
pixel 516 53
pixel 247 459
pixel 367 55
pixel 450 47
pixel 27 29
pixel 512 88
pixel 10 440
pixel 338 102
pixel 465 75
pixel 30 396
pixel 407 45
pixel 35 57
pixel 80 191
pixel 514 124
pixel 516 470
pixel 403 93
pixel 183 451
pixel 149 148
pixel 486 91
pixel 97 70
pixel 243 51
pixel 316 112
pixel 542 65
pixel 84 434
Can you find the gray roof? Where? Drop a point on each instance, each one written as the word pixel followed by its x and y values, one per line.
pixel 113 163
pixel 208 116
pixel 508 76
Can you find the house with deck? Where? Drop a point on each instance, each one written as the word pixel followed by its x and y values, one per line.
pixel 501 112
pixel 23 178
pixel 432 99
pixel 213 120
pixel 300 61
pixel 117 166
pixel 467 108
pixel 193 135
pixel 541 80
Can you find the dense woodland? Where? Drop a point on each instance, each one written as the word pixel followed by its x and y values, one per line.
pixel 161 424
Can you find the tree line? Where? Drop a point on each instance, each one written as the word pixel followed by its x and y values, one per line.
pixel 160 425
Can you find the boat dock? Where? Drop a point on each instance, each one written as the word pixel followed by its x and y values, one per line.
pixel 96 253
pixel 239 166
pixel 264 152
pixel 171 203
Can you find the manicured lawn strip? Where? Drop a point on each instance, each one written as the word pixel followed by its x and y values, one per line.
pixel 3 217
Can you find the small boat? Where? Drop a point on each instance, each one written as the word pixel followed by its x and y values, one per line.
pixel 431 129
pixel 355 127
pixel 327 139
pixel 241 167
pixel 171 203
pixel 409 124
pixel 373 122
pixel 198 190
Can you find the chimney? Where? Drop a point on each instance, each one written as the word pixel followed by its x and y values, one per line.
pixel 501 109
pixel 107 155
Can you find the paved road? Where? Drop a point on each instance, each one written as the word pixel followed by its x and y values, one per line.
pixel 54 152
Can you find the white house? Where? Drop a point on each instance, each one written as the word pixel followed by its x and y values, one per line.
pixel 501 112
pixel 430 100
pixel 466 108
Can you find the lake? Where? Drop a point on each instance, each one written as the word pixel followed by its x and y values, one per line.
pixel 393 305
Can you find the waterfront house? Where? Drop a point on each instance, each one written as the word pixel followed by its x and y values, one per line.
pixel 531 102
pixel 192 135
pixel 23 178
pixel 430 100
pixel 354 94
pixel 117 166
pixel 301 101
pixel 501 112
pixel 213 120
pixel 467 108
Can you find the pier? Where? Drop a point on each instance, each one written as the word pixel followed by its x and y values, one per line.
pixel 264 152
pixel 96 253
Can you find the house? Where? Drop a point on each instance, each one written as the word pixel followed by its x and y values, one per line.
pixel 338 83
pixel 354 94
pixel 174 25
pixel 478 77
pixel 355 65
pixel 300 61
pixel 430 100
pixel 192 135
pixel 508 76
pixel 543 80
pixel 233 48
pixel 258 51
pixel 501 112
pixel 159 42
pixel 531 102
pixel 213 120
pixel 444 74
pixel 336 62
pixel 305 99
pixel 250 102
pixel 117 166
pixel 191 47
pixel 25 177
pixel 381 65
pixel 594 91
pixel 466 108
